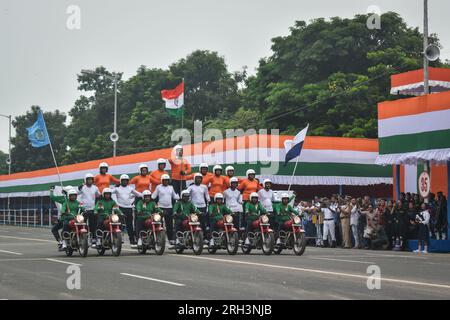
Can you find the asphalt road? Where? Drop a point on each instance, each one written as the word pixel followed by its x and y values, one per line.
pixel 31 268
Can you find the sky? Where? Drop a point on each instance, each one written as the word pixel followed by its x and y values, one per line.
pixel 42 50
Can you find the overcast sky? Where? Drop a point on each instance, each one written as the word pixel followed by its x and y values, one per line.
pixel 40 56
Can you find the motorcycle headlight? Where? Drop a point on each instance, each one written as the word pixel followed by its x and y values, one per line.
pixel 194 218
pixel 157 217
pixel 264 219
pixel 228 218
pixel 297 220
pixel 79 218
pixel 114 218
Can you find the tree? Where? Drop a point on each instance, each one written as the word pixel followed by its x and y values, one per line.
pixel 26 157
pixel 332 74
pixel 3 164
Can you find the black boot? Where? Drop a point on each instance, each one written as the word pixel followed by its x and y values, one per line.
pixel 333 244
pixel 325 244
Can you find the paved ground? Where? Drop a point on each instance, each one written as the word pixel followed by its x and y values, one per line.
pixel 31 268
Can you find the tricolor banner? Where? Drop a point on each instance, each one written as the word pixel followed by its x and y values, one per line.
pixel 414 130
pixel 323 161
pixel 174 99
pixel 411 82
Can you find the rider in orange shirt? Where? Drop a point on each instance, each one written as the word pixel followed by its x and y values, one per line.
pixel 155 176
pixel 103 179
pixel 216 182
pixel 249 185
pixel 180 169
pixel 142 181
pixel 229 171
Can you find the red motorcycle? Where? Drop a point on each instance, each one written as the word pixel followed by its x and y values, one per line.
pixel 154 235
pixel 77 237
pixel 111 236
pixel 261 236
pixel 227 238
pixel 291 236
pixel 191 237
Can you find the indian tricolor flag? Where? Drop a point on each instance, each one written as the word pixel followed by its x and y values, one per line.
pixel 414 130
pixel 174 99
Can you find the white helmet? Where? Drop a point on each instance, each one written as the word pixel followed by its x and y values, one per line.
pixel 218 195
pixel 103 165
pixel 71 192
pixel 249 172
pixel 146 193
pixel 124 177
pixel 203 165
pixel 284 195
pixel 143 166
pixel 106 190
pixel 185 193
pixel 165 177
pixel 198 175
pixel 161 161
pixel 266 181
pixel 178 147
pixel 88 175
pixel 67 188
pixel 234 179
pixel 254 195
pixel 217 167
pixel 228 168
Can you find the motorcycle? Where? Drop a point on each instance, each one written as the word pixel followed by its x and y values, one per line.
pixel 154 235
pixel 77 237
pixel 291 236
pixel 191 237
pixel 111 237
pixel 261 236
pixel 227 238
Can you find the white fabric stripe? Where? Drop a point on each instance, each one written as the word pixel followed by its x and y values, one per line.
pixel 175 103
pixel 423 122
pixel 436 156
pixel 411 178
pixel 249 156
pixel 432 83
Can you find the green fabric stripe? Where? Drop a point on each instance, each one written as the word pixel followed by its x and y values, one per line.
pixel 175 112
pixel 415 142
pixel 303 169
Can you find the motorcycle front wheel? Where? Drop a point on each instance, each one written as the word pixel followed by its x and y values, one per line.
pixel 116 246
pixel 160 243
pixel 197 242
pixel 300 244
pixel 233 243
pixel 69 251
pixel 83 245
pixel 267 244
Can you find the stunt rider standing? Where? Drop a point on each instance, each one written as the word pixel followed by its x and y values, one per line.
pixel 104 179
pixel 88 193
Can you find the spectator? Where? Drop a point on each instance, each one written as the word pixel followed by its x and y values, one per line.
pixel 354 220
pixel 422 220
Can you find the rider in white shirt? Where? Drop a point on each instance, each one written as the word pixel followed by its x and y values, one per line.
pixel 200 198
pixel 233 200
pixel 88 192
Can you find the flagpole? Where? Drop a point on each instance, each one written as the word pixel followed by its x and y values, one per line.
pixel 182 110
pixel 293 172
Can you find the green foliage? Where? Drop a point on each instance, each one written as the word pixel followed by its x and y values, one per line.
pixel 3 164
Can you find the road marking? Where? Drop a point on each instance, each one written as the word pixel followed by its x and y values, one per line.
pixel 33 239
pixel 65 262
pixel 152 279
pixel 12 252
pixel 342 260
pixel 350 275
pixel 23 259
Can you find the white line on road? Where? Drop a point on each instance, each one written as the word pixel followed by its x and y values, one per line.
pixel 65 262
pixel 152 279
pixel 33 239
pixel 12 252
pixel 350 275
pixel 342 260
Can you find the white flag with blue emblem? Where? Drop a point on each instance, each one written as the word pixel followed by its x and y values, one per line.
pixel 37 133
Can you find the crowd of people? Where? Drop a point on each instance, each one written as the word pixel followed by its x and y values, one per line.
pixel 336 221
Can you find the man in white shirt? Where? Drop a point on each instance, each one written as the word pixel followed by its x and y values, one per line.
pixel 328 224
pixel 423 220
pixel 233 200
pixel 166 194
pixel 267 196
pixel 125 196
pixel 200 198
pixel 354 218
pixel 88 192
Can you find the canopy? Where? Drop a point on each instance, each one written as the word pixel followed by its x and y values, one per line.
pixel 414 130
pixel 411 83
pixel 324 161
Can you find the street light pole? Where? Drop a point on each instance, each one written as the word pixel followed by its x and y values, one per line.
pixel 426 87
pixel 9 161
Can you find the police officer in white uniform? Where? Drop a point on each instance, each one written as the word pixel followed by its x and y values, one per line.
pixel 328 224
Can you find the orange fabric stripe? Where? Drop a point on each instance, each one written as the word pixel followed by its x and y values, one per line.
pixel 236 143
pixel 439 179
pixel 415 76
pixel 412 106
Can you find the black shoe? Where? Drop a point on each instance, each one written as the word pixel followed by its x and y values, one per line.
pixel 333 244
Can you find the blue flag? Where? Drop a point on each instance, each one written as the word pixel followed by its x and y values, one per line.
pixel 294 147
pixel 37 133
